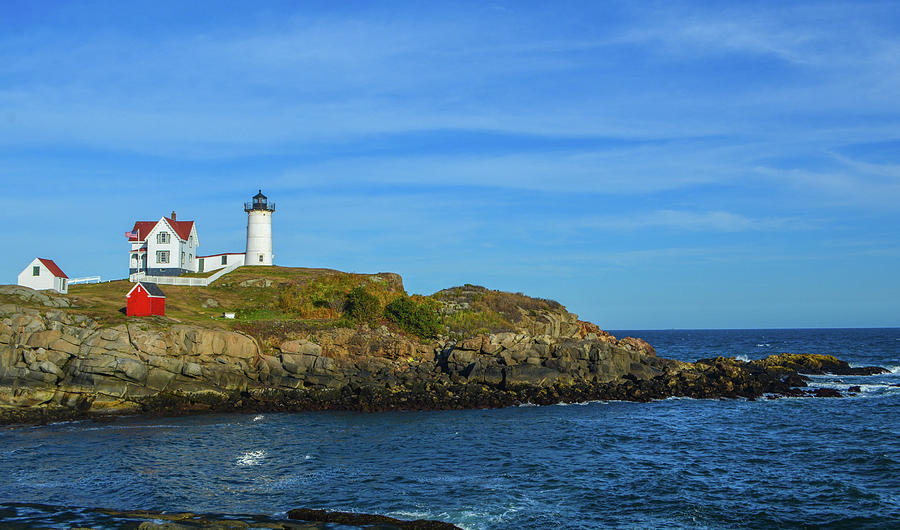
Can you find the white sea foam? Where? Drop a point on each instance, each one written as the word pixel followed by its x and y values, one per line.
pixel 890 368
pixel 127 427
pixel 258 418
pixel 743 357
pixel 251 458
pixel 409 514
pixel 581 403
pixel 866 390
pixel 763 345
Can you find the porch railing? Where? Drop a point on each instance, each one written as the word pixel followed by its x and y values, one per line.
pixel 177 280
pixel 88 279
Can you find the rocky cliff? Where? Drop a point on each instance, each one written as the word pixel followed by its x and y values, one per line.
pixel 58 363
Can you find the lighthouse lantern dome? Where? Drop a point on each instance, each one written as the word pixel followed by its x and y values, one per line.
pixel 260 202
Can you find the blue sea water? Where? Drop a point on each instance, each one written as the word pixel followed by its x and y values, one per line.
pixel 677 463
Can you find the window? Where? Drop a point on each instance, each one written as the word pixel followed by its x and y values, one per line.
pixel 182 258
pixel 63 284
pixel 191 241
pixel 162 256
pixel 36 270
pixel 190 257
pixel 162 237
pixel 260 258
pixel 224 260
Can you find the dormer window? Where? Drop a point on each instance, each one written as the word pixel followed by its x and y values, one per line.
pixel 162 237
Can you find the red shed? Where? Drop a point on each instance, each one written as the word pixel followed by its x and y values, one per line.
pixel 145 299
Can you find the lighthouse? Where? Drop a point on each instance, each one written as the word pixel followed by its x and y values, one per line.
pixel 259 230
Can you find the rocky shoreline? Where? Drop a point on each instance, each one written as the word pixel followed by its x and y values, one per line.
pixel 296 519
pixel 56 364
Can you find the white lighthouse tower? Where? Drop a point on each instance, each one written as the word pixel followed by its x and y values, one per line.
pixel 259 230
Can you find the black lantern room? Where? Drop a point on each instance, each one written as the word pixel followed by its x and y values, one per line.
pixel 260 203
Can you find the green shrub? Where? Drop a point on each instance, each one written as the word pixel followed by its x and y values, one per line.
pixel 362 306
pixel 417 317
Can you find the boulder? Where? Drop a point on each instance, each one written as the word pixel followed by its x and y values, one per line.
pixel 298 364
pixel 301 346
pixel 531 374
pixel 43 339
pixel 132 369
pixel 638 345
pixel 192 370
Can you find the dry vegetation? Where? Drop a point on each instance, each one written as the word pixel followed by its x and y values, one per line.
pixel 271 294
pixel 278 301
pixel 471 309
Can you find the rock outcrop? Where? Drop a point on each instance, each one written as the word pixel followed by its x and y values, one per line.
pixel 296 519
pixel 57 363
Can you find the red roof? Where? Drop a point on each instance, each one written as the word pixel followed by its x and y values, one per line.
pixel 223 254
pixel 142 228
pixel 54 268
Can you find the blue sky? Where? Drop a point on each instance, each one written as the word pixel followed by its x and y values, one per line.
pixel 649 165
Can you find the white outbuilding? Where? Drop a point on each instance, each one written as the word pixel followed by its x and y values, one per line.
pixel 43 274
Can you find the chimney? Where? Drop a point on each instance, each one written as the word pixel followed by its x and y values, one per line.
pixel 173 215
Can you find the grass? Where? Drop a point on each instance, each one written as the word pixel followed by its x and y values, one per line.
pixel 293 293
pixel 205 274
pixel 480 310
pixel 470 323
pixel 271 301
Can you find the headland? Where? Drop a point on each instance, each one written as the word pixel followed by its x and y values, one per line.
pixel 320 339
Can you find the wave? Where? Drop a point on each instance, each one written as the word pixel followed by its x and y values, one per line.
pixel 582 403
pixel 127 427
pixel 893 369
pixel 871 389
pixel 743 357
pixel 251 458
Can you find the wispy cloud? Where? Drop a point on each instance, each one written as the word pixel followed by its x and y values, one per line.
pixel 706 221
pixel 797 33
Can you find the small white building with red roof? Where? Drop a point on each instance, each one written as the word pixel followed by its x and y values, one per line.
pixel 43 274
pixel 167 247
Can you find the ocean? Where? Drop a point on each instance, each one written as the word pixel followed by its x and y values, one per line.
pixel 676 463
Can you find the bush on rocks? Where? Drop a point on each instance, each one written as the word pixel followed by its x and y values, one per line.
pixel 362 306
pixel 418 317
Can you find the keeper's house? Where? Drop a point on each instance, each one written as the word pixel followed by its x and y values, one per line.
pixel 44 274
pixel 145 299
pixel 167 247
